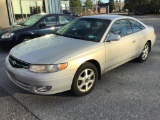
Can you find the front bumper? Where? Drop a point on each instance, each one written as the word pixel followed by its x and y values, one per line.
pixel 8 42
pixel 30 81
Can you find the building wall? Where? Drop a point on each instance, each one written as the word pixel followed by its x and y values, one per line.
pixel 119 6
pixel 4 19
pixel 53 6
pixel 15 13
pixel 64 4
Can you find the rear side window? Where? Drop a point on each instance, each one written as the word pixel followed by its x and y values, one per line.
pixel 136 26
pixel 121 27
pixel 50 20
pixel 64 19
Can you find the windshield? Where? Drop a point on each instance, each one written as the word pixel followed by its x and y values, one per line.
pixel 85 28
pixel 31 20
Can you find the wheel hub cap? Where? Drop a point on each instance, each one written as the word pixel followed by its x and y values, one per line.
pixel 145 52
pixel 86 80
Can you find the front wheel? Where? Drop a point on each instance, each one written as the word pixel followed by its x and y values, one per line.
pixel 144 55
pixel 85 79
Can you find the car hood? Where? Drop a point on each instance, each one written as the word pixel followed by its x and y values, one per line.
pixel 11 29
pixel 48 49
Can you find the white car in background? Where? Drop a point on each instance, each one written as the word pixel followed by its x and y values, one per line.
pixel 75 57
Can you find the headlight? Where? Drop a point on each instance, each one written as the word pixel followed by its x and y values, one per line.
pixel 47 68
pixel 7 35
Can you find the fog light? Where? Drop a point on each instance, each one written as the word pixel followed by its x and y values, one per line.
pixel 43 88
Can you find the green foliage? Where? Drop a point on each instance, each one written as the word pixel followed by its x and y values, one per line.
pixel 111 5
pixel 100 2
pixel 76 6
pixel 75 3
pixel 154 3
pixel 88 3
pixel 150 6
pixel 129 4
pixel 155 6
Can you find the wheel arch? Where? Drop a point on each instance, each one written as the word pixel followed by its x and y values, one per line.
pixel 150 45
pixel 97 65
pixel 24 35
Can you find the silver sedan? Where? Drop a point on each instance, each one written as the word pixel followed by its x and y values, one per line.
pixel 77 54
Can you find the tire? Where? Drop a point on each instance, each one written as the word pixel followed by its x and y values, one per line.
pixel 85 79
pixel 144 55
pixel 25 38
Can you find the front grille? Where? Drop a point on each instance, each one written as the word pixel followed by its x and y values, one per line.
pixel 17 63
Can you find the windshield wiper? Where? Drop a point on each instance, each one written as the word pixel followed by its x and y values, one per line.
pixel 79 37
pixel 64 35
pixel 58 34
pixel 73 36
pixel 22 24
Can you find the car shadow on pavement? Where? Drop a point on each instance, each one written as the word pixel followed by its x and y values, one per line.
pixel 4 50
pixel 13 90
pixel 3 93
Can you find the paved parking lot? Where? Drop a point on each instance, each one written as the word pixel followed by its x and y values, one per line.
pixel 129 92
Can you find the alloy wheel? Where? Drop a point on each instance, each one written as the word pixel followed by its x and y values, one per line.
pixel 145 52
pixel 86 80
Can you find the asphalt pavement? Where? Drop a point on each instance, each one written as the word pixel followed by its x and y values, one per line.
pixel 129 92
pixel 11 109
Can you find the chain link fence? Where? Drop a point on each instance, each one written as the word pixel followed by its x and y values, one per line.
pixel 82 11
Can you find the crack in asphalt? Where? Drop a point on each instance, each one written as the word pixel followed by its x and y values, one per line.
pixel 27 110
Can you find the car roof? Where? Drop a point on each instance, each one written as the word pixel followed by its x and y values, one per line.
pixel 108 17
pixel 46 14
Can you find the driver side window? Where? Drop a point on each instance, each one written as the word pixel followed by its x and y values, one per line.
pixel 50 21
pixel 63 19
pixel 121 27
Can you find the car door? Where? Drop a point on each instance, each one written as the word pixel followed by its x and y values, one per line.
pixel 122 50
pixel 140 34
pixel 47 25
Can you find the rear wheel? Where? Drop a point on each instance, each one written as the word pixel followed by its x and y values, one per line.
pixel 85 79
pixel 144 55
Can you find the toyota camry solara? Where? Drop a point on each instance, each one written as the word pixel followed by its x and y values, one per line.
pixel 77 54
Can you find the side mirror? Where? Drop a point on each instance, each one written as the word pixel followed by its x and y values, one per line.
pixel 41 25
pixel 113 37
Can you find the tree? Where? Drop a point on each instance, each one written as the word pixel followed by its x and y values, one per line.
pixel 75 3
pixel 111 5
pixel 130 5
pixel 155 6
pixel 88 3
pixel 100 2
pixel 76 6
pixel 147 6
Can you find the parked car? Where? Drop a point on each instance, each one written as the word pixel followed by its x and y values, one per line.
pixel 140 12
pixel 77 54
pixel 69 12
pixel 35 26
